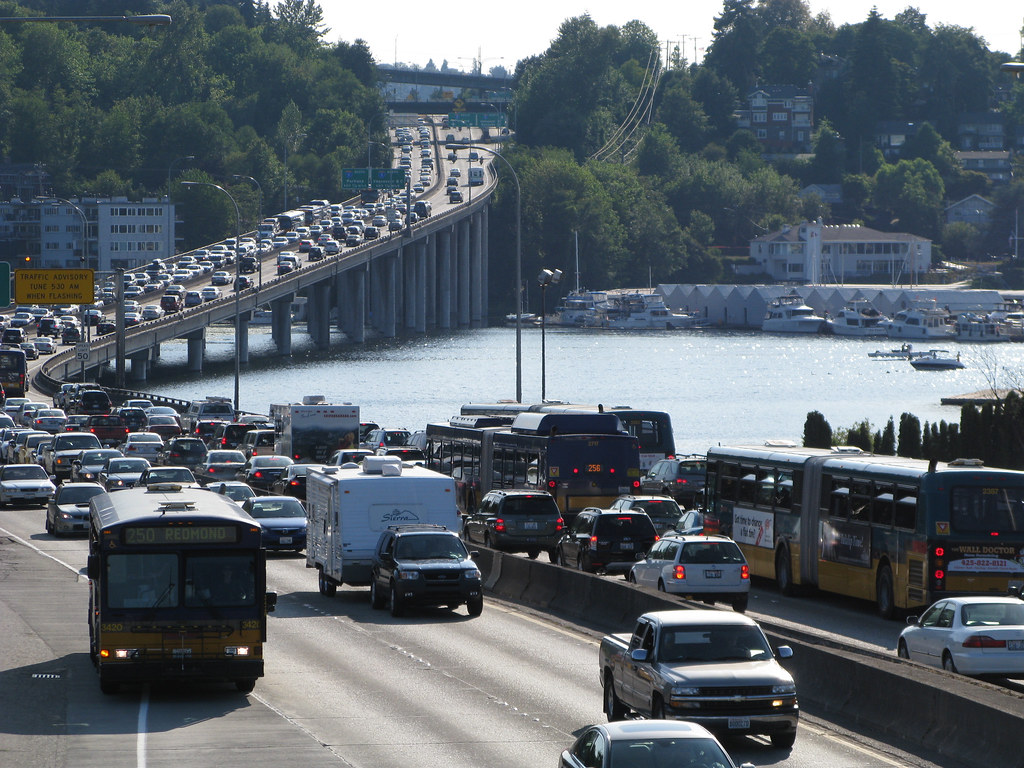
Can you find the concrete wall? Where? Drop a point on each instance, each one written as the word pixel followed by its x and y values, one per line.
pixel 882 695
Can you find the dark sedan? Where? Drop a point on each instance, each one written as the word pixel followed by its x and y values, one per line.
pixel 283 519
pixel 220 465
pixel 261 471
pixel 293 481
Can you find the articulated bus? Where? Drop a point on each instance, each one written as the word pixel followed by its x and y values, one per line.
pixel 13 371
pixel 582 460
pixel 290 220
pixel 900 532
pixel 653 429
pixel 177 588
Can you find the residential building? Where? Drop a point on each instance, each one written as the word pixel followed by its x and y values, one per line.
pixel 813 253
pixel 997 165
pixel 891 135
pixel 973 209
pixel 781 117
pixel 981 131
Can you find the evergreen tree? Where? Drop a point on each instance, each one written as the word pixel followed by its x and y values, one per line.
pixel 909 444
pixel 887 445
pixel 817 432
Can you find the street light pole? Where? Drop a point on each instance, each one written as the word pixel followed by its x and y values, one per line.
pixel 85 265
pixel 170 215
pixel 519 265
pixel 238 289
pixel 259 215
pixel 545 278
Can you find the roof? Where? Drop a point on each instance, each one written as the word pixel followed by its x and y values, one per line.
pixel 654 729
pixel 701 617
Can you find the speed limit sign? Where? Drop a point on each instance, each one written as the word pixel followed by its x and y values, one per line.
pixel 82 351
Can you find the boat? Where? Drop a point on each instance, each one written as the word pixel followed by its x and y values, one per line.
pixel 576 308
pixel 638 311
pixel 921 322
pixel 937 360
pixel 858 319
pixel 789 314
pixel 525 318
pixel 980 328
pixel 904 352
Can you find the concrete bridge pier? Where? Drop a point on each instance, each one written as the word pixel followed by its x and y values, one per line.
pixel 444 287
pixel 430 278
pixel 461 274
pixel 353 303
pixel 318 322
pixel 418 288
pixel 281 324
pixel 140 366
pixel 196 350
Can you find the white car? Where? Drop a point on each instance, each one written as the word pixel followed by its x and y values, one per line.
pixel 221 278
pixel 210 293
pixel 25 484
pixel 708 568
pixel 45 345
pixel 141 445
pixel 152 312
pixel 977 635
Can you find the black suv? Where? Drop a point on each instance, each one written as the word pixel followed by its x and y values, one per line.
pixel 606 540
pixel 424 565
pixel 664 511
pixel 185 452
pixel 681 477
pixel 516 521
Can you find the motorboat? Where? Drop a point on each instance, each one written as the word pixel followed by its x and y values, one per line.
pixel 525 318
pixel 980 328
pixel 639 311
pixel 937 360
pixel 789 314
pixel 922 322
pixel 577 309
pixel 860 320
pixel 904 352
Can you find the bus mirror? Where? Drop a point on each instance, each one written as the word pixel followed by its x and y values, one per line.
pixel 92 567
pixel 271 601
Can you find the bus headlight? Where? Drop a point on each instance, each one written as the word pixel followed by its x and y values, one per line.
pixel 126 653
pixel 237 650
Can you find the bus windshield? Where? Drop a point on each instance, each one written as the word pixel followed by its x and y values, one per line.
pixel 150 580
pixel 987 509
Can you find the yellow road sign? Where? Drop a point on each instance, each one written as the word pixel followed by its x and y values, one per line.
pixel 54 286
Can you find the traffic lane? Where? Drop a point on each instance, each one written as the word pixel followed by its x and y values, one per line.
pixel 508 688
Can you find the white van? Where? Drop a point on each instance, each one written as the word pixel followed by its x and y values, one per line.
pixel 476 177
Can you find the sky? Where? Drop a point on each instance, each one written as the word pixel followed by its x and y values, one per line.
pixel 500 34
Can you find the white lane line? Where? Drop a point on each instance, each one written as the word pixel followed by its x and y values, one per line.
pixel 38 551
pixel 141 728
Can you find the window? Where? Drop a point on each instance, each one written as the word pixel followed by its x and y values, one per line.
pixel 779 117
pixel 760 117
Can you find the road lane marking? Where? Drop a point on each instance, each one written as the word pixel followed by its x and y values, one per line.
pixel 38 551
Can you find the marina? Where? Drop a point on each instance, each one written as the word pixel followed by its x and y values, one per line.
pixel 727 387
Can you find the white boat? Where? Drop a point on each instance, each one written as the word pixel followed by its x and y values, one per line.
pixel 980 328
pixel 860 320
pixel 576 308
pixel 789 314
pixel 525 318
pixel 905 352
pixel 937 360
pixel 639 311
pixel 922 322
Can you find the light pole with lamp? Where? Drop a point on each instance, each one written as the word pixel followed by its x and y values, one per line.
pixel 259 214
pixel 170 207
pixel 288 141
pixel 82 311
pixel 519 265
pixel 238 288
pixel 544 279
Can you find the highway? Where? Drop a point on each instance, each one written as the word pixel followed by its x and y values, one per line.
pixel 345 685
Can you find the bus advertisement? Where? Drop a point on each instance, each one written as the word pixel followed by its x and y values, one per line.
pixel 582 460
pixel 900 532
pixel 177 588
pixel 13 371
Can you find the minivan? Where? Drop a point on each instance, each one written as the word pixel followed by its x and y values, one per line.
pixel 94 401
pixel 12 336
pixel 258 442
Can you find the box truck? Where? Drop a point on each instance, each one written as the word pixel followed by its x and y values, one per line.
pixel 312 430
pixel 348 507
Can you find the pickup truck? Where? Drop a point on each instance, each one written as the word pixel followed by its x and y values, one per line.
pixel 58 454
pixel 709 667
pixel 108 427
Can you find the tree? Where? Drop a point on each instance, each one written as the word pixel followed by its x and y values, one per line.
pixel 829 161
pixel 911 191
pixel 787 56
pixel 961 241
pixel 909 444
pixel 887 444
pixel 684 118
pixel 817 432
pixel 735 44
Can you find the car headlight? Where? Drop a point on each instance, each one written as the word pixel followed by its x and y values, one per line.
pixel 407 575
pixel 472 573
pixel 688 690
pixel 784 688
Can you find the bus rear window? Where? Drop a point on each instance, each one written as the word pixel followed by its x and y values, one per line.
pixel 987 509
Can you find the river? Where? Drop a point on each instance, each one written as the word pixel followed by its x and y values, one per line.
pixel 728 387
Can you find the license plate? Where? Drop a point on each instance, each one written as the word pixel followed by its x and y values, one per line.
pixel 739 722
pixel 626 545
pixel 285 539
pixel 712 574
pixel 1015 645
pixel 529 526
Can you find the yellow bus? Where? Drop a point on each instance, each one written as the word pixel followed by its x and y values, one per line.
pixel 900 532
pixel 177 588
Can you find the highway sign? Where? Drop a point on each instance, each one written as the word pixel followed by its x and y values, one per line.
pixel 355 178
pixel 54 286
pixel 5 283
pixel 82 351
pixel 388 178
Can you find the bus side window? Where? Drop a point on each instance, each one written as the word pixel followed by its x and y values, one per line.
pixel 748 487
pixel 906 509
pixel 882 506
pixel 784 491
pixel 839 499
pixel 860 500
pixel 766 491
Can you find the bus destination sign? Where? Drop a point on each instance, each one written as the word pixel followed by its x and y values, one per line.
pixel 163 535
pixel 54 286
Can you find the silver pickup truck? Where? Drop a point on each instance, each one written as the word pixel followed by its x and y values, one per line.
pixel 709 667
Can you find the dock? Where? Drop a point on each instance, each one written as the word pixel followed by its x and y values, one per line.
pixel 981 397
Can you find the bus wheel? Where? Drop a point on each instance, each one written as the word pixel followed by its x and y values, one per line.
pixel 246 685
pixel 784 572
pixel 884 593
pixel 327 587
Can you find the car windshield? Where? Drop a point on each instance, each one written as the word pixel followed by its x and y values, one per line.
pixel 225 457
pixel 620 526
pixel 73 442
pixel 668 751
pixel 262 510
pixel 530 505
pixel 236 492
pixel 24 472
pixel 723 643
pixel 659 508
pixel 98 457
pixel 127 465
pixel 271 461
pixel 144 437
pixel 170 475
pixel 162 420
pixel 430 548
pixel 70 494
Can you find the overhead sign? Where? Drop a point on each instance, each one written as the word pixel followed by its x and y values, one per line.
pixel 477 120
pixel 355 178
pixel 373 178
pixel 54 286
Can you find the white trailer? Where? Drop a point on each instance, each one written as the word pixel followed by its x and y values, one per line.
pixel 348 507
pixel 311 432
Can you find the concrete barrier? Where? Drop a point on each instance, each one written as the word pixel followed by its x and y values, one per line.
pixel 969 720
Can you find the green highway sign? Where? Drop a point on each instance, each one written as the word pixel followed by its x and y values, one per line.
pixel 477 120
pixel 388 178
pixel 355 178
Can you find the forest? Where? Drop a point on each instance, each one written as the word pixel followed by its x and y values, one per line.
pixel 255 89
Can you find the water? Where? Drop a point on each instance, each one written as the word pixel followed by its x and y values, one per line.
pixel 724 387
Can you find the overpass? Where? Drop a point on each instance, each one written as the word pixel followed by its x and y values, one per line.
pixel 432 275
pixel 436 93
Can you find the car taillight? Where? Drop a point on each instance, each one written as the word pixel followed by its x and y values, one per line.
pixel 552 483
pixel 679 572
pixel 636 484
pixel 294 483
pixel 681 480
pixel 257 473
pixel 499 525
pixel 983 641
pixel 593 541
pixel 744 571
pixel 559 524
